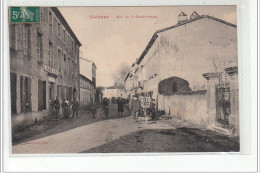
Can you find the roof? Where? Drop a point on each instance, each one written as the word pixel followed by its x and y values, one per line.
pixel 63 20
pixel 127 76
pixel 88 61
pixel 85 78
pixel 155 35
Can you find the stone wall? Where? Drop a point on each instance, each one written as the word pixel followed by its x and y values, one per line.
pixel 189 106
pixel 22 120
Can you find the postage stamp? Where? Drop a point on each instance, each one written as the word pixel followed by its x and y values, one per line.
pixel 24 15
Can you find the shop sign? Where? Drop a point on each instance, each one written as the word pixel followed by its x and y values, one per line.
pixel 51 70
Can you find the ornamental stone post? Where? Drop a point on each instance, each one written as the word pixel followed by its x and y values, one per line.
pixel 212 81
pixel 234 100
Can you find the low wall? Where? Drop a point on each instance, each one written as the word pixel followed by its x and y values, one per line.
pixel 22 120
pixel 189 106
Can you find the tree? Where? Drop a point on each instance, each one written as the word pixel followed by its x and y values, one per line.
pixel 219 65
pixel 120 74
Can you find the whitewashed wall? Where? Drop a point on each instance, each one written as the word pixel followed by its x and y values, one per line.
pixel 188 107
pixel 189 50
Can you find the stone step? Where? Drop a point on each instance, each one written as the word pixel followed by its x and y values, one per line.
pixel 220 130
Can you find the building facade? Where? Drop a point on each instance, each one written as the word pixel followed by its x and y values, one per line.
pixel 186 50
pixel 186 69
pixel 88 69
pixel 87 82
pixel 44 64
pixel 87 92
pixel 113 91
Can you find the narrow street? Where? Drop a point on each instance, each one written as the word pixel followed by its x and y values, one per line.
pixel 126 135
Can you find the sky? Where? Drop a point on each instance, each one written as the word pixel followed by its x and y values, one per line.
pixel 113 41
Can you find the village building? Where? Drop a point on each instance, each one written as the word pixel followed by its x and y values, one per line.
pixel 87 82
pixel 44 64
pixel 87 92
pixel 174 61
pixel 114 91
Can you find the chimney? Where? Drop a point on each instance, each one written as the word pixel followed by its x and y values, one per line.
pixel 194 15
pixel 182 17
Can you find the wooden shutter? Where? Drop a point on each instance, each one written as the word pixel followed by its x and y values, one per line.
pixel 28 30
pixel 22 104
pixel 40 95
pixel 29 93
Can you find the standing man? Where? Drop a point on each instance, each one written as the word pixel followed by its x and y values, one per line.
pixel 105 106
pixel 75 107
pixel 56 104
pixel 93 110
pixel 65 111
pixel 120 107
pixel 135 106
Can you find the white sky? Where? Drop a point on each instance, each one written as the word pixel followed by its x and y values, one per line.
pixel 111 42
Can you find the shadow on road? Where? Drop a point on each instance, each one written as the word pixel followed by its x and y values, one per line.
pixel 171 140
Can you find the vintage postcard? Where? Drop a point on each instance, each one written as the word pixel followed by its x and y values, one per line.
pixel 155 79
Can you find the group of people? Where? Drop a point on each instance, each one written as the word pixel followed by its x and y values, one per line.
pixel 66 107
pixel 134 106
pixel 104 108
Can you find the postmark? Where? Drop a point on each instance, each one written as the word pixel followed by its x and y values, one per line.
pixel 24 15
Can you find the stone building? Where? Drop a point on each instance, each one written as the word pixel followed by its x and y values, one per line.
pixel 114 91
pixel 87 82
pixel 87 92
pixel 185 50
pixel 44 64
pixel 88 69
pixel 177 57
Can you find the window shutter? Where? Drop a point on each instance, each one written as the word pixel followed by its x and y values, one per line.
pixel 28 41
pixel 29 93
pixel 24 39
pixel 22 101
pixel 40 93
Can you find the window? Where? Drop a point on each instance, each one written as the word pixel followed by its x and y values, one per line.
pixel 39 46
pixel 76 46
pixel 59 29
pixel 64 56
pixel 13 92
pixel 25 93
pixel 65 66
pixel 72 44
pixel 68 40
pixel 69 65
pixel 13 37
pixel 59 58
pixel 64 36
pixel 26 40
pixel 41 95
pixel 50 19
pixel 50 54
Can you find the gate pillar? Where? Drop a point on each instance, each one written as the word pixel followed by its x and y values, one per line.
pixel 212 81
pixel 234 100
